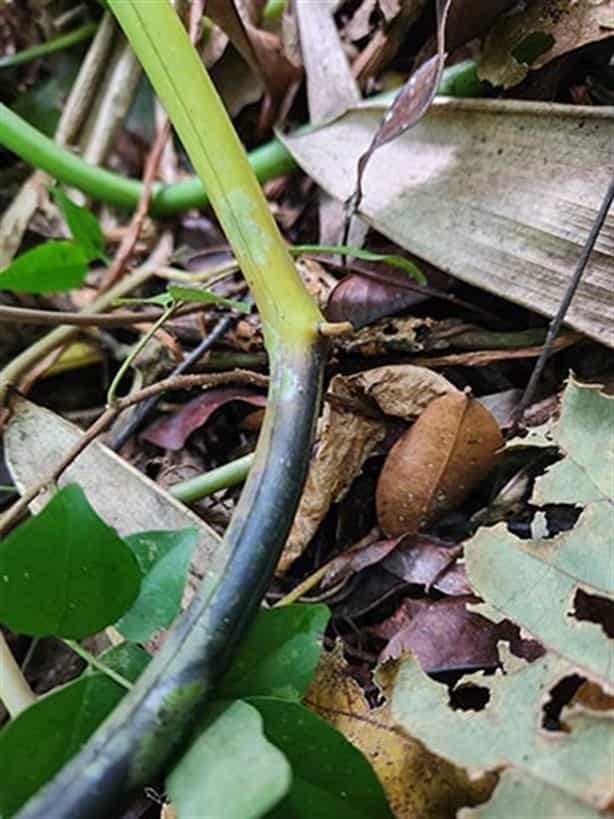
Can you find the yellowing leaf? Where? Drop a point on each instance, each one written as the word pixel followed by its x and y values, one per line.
pixel 417 783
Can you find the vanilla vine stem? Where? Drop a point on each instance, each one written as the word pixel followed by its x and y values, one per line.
pixel 152 724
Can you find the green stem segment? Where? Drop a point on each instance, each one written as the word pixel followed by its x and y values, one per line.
pixel 268 161
pixel 84 32
pixel 230 474
pixel 38 150
pixel 151 725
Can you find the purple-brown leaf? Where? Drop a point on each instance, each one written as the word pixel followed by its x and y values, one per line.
pixel 173 431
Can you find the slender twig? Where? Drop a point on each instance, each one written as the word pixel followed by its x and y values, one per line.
pixel 147 406
pixel 13 371
pixel 84 32
pixel 138 347
pixel 559 318
pixel 126 248
pixel 90 659
pixel 26 315
pixel 15 692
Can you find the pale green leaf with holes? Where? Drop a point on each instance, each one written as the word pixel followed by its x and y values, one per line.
pixel 509 730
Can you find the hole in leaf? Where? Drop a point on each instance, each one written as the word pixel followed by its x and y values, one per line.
pixel 594 609
pixel 532 46
pixel 469 697
pixel 560 696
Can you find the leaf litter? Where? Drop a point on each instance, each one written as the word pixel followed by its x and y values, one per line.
pixel 417 592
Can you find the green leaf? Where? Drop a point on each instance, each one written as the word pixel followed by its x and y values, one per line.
pixel 231 771
pixel 83 225
pixel 126 659
pixel 37 743
pixel 164 559
pixel 278 655
pixel 65 572
pixel 48 268
pixel 206 297
pixel 331 779
pixel 366 256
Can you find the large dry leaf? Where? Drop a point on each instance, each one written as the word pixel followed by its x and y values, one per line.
pixel 345 438
pixel 331 88
pixel 534 35
pixel 36 439
pixel 561 589
pixel 499 193
pixel 418 784
pixel 509 731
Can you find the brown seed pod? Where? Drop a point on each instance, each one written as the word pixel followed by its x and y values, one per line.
pixel 432 468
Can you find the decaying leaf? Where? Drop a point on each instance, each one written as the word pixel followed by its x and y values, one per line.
pixel 331 88
pixel 509 730
pixel 432 468
pixel 426 561
pixel 417 783
pixel 540 31
pixel 444 635
pixel 364 298
pixel 412 101
pixel 346 437
pixel 499 193
pixel 259 48
pixel 561 589
pixel 172 432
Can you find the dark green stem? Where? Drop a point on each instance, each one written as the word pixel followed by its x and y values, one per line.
pixel 146 732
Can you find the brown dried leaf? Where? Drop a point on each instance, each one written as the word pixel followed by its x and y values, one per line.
pixel 427 561
pixel 533 36
pixel 412 101
pixel 435 464
pixel 260 49
pixel 444 636
pixel 173 431
pixel 363 299
pixel 346 438
pixel 357 559
pixel 417 783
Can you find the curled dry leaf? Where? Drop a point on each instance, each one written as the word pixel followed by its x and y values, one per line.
pixel 444 635
pixel 417 783
pixel 427 561
pixel 412 101
pixel 345 438
pixel 260 49
pixel 172 432
pixel 432 468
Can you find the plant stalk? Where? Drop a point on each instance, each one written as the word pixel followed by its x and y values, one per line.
pixel 153 723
